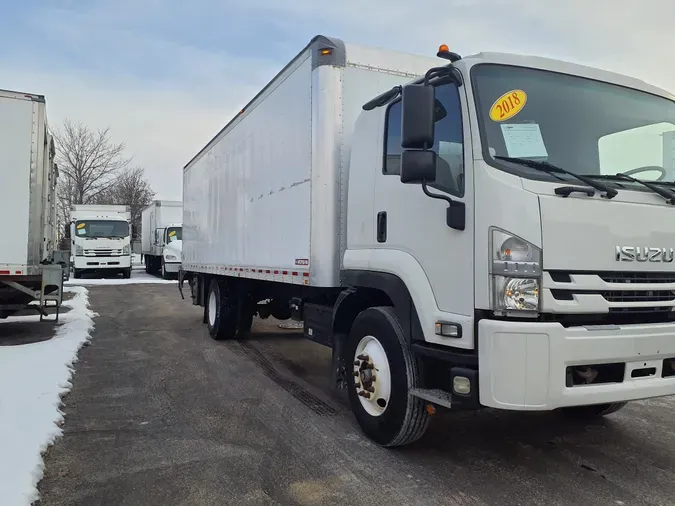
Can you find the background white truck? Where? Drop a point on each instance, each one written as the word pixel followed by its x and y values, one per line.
pixel 101 239
pixel 497 232
pixel 29 269
pixel 161 237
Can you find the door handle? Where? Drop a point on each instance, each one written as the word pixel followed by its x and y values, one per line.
pixel 382 226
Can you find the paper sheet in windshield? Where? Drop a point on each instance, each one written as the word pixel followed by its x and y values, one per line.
pixel 524 140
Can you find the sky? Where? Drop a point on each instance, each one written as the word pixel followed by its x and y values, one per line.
pixel 166 75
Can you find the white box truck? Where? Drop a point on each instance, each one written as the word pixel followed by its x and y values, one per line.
pixel 161 237
pixel 29 270
pixel 495 232
pixel 101 239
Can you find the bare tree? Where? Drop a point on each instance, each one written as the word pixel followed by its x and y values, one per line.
pixel 94 170
pixel 89 163
pixel 131 189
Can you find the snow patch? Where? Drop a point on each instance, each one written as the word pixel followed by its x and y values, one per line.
pixel 34 377
pixel 137 278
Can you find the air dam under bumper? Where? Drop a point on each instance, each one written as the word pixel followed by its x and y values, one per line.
pixel 523 366
pixel 95 263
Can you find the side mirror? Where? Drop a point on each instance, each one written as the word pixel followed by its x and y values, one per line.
pixel 417 116
pixel 418 166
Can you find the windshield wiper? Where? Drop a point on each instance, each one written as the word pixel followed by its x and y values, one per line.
pixel 610 193
pixel 669 195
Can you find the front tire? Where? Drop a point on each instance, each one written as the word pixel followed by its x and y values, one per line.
pixel 592 411
pixel 127 273
pixel 385 411
pixel 77 273
pixel 165 275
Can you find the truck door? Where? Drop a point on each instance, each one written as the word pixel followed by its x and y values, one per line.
pixel 416 226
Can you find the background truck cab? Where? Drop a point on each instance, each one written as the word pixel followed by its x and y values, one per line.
pixel 101 239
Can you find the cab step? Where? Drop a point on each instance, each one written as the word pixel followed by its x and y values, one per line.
pixel 435 396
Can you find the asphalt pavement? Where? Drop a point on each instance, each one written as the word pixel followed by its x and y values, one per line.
pixel 162 414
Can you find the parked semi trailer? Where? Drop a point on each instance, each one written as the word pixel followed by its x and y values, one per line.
pixel 101 239
pixel 161 237
pixel 29 265
pixel 494 230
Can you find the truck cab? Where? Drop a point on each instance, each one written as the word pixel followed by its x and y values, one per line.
pixel 101 240
pixel 524 206
pixel 169 242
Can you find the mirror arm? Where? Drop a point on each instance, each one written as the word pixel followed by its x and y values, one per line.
pixel 455 216
pixel 426 191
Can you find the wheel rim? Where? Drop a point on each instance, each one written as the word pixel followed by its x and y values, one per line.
pixel 212 308
pixel 372 376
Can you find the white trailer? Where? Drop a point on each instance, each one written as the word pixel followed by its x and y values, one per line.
pixel 101 239
pixel 161 237
pixel 28 220
pixel 488 231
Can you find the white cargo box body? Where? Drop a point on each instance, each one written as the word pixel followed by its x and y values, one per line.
pixel 28 176
pixel 266 197
pixel 159 214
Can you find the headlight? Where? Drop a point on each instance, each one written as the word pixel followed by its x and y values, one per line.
pixel 170 257
pixel 126 250
pixel 516 294
pixel 515 274
pixel 79 251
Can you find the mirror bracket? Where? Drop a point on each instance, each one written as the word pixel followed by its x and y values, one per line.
pixel 455 216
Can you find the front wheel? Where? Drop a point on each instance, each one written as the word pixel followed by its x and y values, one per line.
pixel 77 273
pixel 165 275
pixel 383 372
pixel 593 411
pixel 127 273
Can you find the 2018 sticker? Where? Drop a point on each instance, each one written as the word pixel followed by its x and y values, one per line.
pixel 172 233
pixel 508 105
pixel 81 225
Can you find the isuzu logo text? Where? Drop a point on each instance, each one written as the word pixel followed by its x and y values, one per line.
pixel 644 254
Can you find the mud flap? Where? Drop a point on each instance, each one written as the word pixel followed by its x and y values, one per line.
pixel 181 277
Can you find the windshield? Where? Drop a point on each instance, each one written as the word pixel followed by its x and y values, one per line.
pixel 101 228
pixel 584 126
pixel 174 234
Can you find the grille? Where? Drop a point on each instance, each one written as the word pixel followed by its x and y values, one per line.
pixel 661 300
pixel 103 252
pixel 638 295
pixel 637 277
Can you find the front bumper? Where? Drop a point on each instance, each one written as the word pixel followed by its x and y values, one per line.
pixel 95 263
pixel 523 365
pixel 171 267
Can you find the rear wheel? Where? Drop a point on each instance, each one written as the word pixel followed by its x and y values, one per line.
pixel 593 411
pixel 383 372
pixel 225 316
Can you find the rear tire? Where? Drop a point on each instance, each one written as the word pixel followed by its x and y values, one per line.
pixel 392 417
pixel 224 315
pixel 592 411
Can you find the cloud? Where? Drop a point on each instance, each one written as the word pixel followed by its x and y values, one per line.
pixel 165 75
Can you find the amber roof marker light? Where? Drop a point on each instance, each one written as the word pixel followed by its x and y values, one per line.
pixel 445 53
